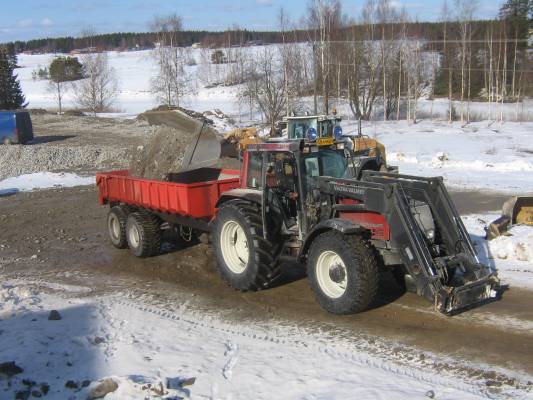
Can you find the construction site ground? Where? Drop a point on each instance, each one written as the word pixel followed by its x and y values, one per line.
pixel 58 236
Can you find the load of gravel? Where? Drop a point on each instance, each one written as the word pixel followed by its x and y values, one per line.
pixel 163 153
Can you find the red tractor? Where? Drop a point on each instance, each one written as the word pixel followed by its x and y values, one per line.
pixel 320 206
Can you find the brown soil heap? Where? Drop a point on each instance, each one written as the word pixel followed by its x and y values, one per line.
pixel 163 154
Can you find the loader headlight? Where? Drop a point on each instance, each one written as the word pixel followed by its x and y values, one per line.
pixel 430 234
pixel 311 134
pixel 337 131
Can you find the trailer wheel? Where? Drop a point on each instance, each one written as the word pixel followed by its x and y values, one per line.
pixel 343 272
pixel 143 233
pixel 116 226
pixel 245 260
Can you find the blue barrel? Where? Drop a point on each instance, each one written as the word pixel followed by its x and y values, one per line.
pixel 15 127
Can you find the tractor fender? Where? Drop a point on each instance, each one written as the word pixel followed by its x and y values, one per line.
pixel 335 224
pixel 252 195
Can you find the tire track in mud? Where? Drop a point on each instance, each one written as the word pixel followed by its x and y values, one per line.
pixel 360 355
pixel 485 378
pixel 364 350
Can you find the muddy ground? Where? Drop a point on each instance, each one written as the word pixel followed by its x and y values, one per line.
pixel 59 236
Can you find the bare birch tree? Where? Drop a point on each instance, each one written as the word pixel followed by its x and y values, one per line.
pixel 464 12
pixel 99 89
pixel 265 86
pixel 172 82
pixel 324 18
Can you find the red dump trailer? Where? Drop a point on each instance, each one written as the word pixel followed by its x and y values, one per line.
pixel 187 201
pixel 189 194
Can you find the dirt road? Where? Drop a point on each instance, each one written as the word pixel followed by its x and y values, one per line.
pixel 58 236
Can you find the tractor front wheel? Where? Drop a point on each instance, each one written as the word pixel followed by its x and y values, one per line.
pixel 343 272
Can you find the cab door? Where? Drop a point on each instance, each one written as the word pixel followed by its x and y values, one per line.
pixel 281 202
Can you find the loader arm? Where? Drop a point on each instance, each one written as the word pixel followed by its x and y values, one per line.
pixel 427 261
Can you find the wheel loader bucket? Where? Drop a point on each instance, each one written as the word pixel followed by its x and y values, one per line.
pixel 203 150
pixel 519 210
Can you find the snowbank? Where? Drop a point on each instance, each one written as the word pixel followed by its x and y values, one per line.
pixel 43 180
pixel 477 156
pixel 150 353
pixel 511 256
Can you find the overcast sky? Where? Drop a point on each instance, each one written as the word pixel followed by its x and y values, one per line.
pixel 29 19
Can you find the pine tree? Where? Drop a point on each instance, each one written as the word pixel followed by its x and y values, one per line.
pixel 11 97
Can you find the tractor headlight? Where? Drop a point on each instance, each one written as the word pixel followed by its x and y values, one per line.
pixel 430 234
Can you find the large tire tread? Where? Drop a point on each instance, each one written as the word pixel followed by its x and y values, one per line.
pixel 122 216
pixel 264 252
pixel 362 289
pixel 150 232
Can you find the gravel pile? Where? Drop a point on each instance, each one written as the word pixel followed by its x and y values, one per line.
pixel 162 155
pixel 18 160
pixel 74 144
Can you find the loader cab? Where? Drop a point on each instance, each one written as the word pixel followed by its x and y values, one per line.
pixel 312 126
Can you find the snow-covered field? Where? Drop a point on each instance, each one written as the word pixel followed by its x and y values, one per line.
pixel 151 353
pixel 490 157
pixel 482 155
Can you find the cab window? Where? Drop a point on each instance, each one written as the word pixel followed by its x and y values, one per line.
pixel 255 168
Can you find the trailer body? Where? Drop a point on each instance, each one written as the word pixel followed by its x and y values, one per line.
pixel 191 194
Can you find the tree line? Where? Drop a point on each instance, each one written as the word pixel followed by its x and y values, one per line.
pixel 379 65
pixel 233 36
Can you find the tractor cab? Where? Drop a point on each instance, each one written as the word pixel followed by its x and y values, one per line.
pixel 287 173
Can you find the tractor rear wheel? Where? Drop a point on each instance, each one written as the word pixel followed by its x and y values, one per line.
pixel 343 272
pixel 116 226
pixel 245 260
pixel 143 232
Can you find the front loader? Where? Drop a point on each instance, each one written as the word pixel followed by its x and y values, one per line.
pixel 311 203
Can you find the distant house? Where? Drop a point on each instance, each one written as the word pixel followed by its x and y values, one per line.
pixel 255 43
pixel 86 50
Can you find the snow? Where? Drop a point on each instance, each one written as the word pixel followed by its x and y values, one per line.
pixel 43 180
pixel 511 255
pixel 477 156
pixel 134 70
pixel 136 345
pixel 480 155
